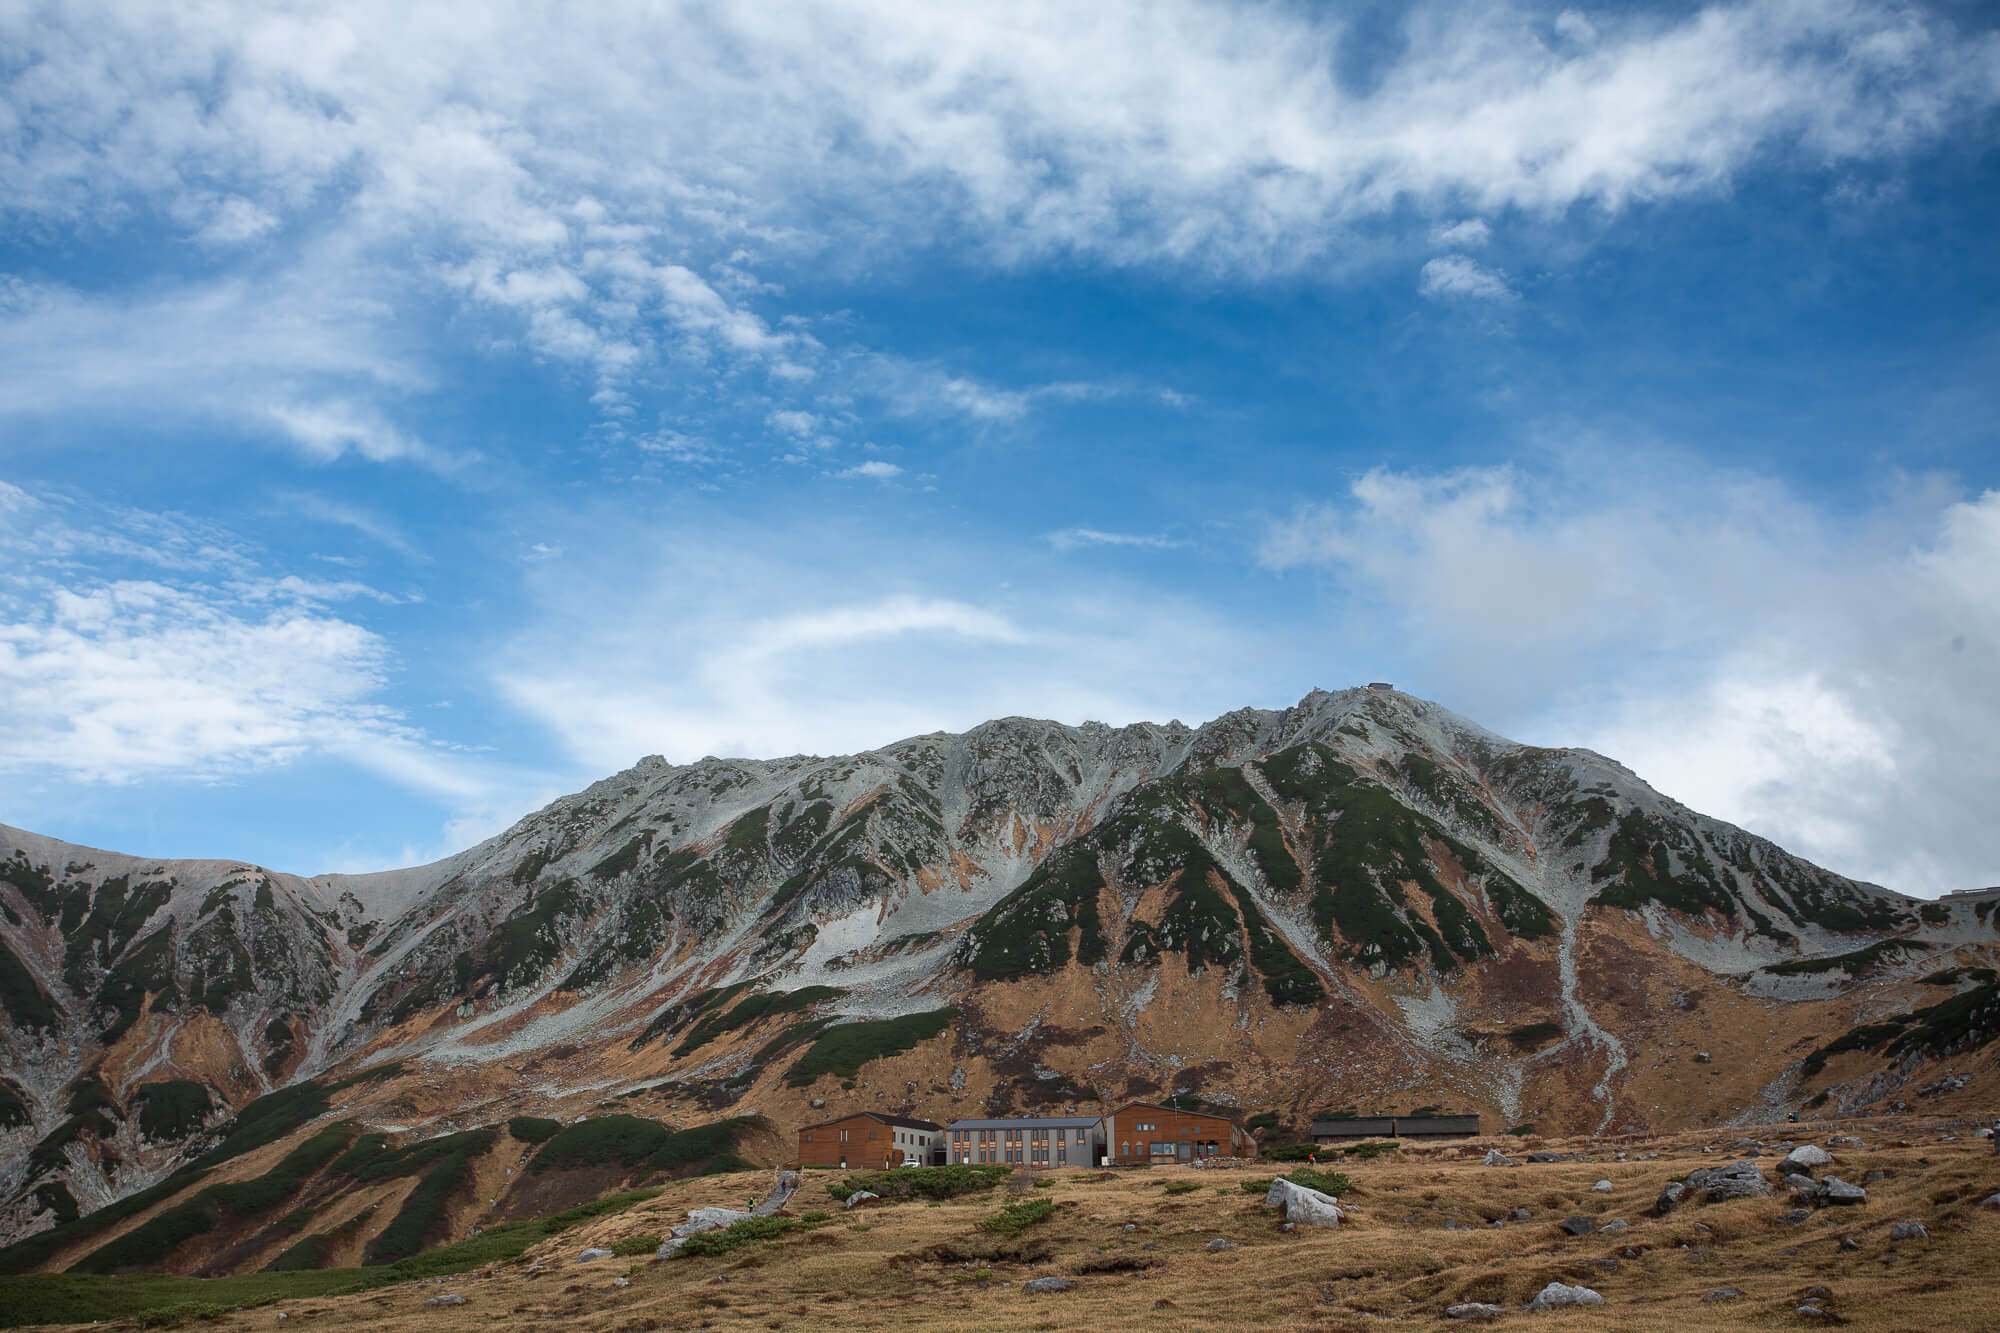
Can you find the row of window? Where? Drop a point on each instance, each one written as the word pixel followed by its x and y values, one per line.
pixel 1012 1135
pixel 900 1136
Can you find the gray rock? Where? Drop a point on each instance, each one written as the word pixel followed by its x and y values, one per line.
pixel 1518 1215
pixel 1982 1133
pixel 1494 1157
pixel 1547 1157
pixel 1835 1192
pixel 1556 1295
pixel 1990 1201
pixel 1043 1284
pixel 1577 1226
pixel 1796 1216
pixel 450 1298
pixel 1848 1243
pixel 1810 1312
pixel 861 1197
pixel 594 1252
pixel 1738 1180
pixel 1795 1181
pixel 1879 1173
pixel 1909 1231
pixel 1602 1187
pixel 1806 1158
pixel 1473 1310
pixel 714 1219
pixel 621 1282
pixel 1724 1294
pixel 1296 1203
pixel 1670 1198
pixel 670 1247
pixel 1220 1243
pixel 1614 1226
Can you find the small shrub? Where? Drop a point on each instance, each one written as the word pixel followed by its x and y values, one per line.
pixel 643 1243
pixel 166 1316
pixel 935 1182
pixel 533 1128
pixel 1018 1217
pixel 1182 1186
pixel 708 1244
pixel 1521 1131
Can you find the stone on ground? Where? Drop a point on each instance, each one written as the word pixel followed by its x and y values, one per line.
pixel 1578 1225
pixel 1296 1203
pixel 1738 1180
pixel 449 1298
pixel 1602 1187
pixel 1806 1158
pixel 1909 1231
pixel 1556 1295
pixel 1494 1157
pixel 1835 1192
pixel 594 1252
pixel 1473 1310
pixel 1048 1284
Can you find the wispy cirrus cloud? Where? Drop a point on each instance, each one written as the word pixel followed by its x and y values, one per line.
pixel 1071 539
pixel 611 195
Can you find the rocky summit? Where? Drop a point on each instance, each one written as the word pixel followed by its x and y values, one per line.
pixel 1361 904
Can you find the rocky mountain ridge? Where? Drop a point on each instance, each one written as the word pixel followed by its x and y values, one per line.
pixel 1357 898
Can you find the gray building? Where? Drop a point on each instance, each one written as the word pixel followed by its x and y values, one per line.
pixel 1344 1129
pixel 1026 1141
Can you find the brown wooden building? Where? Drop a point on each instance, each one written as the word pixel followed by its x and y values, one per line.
pixel 1143 1132
pixel 871 1140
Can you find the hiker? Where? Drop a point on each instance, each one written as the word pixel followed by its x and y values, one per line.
pixel 1312 1158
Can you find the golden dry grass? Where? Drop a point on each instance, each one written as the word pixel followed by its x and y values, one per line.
pixel 890 1267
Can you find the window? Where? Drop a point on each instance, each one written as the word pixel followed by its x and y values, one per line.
pixel 843 1139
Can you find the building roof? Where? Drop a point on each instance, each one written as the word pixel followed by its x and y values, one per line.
pixel 1174 1110
pixel 1029 1122
pixel 899 1121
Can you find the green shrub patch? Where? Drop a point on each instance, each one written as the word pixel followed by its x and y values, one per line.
pixel 936 1182
pixel 845 1047
pixel 1018 1217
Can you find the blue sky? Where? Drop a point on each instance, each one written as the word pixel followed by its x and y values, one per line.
pixel 410 414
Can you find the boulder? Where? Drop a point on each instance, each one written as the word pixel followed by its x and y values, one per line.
pixel 1547 1157
pixel 714 1219
pixel 1296 1203
pixel 1577 1226
pixel 449 1298
pixel 1040 1284
pixel 1518 1214
pixel 1670 1198
pixel 1602 1187
pixel 1494 1157
pixel 1796 1216
pixel 1909 1231
pixel 1473 1310
pixel 859 1197
pixel 1614 1226
pixel 1556 1295
pixel 1724 1294
pixel 1835 1192
pixel 1805 1159
pixel 594 1252
pixel 1222 1243
pixel 1990 1201
pixel 670 1247
pixel 1738 1180
pixel 1795 1181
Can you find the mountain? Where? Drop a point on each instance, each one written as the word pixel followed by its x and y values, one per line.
pixel 1362 901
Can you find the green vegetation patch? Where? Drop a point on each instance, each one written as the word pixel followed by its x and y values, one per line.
pixel 750 1009
pixel 1532 1035
pixel 533 1128
pixel 844 1048
pixel 936 1182
pixel 13 1110
pixel 1854 963
pixel 1649 860
pixel 1018 1217
pixel 26 1003
pixel 648 1145
pixel 1333 1183
pixel 708 1244
pixel 79 1298
pixel 154 1240
pixel 645 1242
pixel 172 1108
pixel 1028 931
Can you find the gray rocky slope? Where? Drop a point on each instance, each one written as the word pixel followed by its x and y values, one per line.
pixel 1354 837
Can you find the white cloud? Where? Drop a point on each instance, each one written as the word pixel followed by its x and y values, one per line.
pixel 612 193
pixel 1451 276
pixel 874 469
pixel 1823 680
pixel 1070 539
pixel 760 642
pixel 171 676
pixel 1467 235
